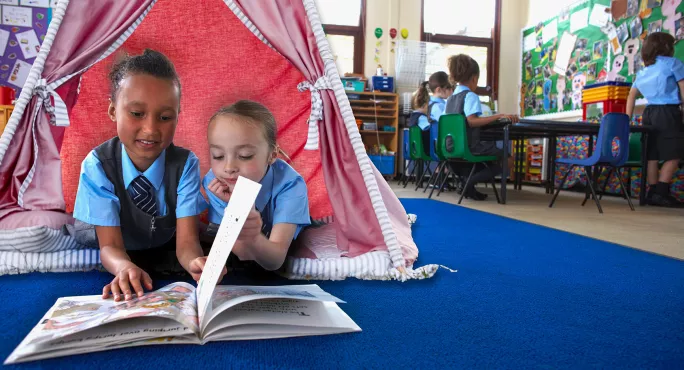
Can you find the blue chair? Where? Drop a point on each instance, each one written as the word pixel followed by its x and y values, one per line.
pixel 404 178
pixel 613 126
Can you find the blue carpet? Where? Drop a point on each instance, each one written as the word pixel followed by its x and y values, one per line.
pixel 524 296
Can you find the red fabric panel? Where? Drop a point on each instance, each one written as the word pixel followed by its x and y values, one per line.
pixel 219 61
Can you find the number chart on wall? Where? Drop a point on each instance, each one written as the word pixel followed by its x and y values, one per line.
pixel 592 41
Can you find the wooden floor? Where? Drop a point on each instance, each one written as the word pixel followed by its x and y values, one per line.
pixel 653 229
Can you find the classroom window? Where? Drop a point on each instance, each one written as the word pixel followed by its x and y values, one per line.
pixel 343 23
pixel 474 32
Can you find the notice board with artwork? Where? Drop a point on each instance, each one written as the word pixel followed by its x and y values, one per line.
pixel 23 25
pixel 591 41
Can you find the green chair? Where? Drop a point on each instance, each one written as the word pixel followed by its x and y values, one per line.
pixel 417 154
pixel 452 146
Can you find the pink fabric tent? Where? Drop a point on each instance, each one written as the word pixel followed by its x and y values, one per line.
pixel 316 125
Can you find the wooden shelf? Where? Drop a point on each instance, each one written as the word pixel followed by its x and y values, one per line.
pixel 383 109
pixel 377 132
pixel 371 93
pixel 373 102
pixel 362 115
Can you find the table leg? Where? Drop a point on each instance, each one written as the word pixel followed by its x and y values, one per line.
pixel 504 165
pixel 518 164
pixel 590 148
pixel 553 164
pixel 551 170
pixel 644 164
pixel 523 160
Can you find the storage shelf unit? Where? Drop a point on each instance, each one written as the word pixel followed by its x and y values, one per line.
pixel 382 110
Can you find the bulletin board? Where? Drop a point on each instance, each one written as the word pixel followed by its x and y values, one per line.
pixel 604 46
pixel 23 25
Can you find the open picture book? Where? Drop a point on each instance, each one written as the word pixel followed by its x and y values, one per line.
pixel 179 313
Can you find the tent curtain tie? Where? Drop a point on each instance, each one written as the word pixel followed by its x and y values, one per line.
pixel 321 83
pixel 51 102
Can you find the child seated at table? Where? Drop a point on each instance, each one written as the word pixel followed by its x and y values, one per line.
pixel 465 71
pixel 661 82
pixel 426 108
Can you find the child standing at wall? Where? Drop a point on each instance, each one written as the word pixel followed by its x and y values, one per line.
pixel 661 82
pixel 465 71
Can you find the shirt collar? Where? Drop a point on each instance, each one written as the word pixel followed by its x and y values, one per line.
pixel 155 173
pixel 437 99
pixel 266 189
pixel 460 88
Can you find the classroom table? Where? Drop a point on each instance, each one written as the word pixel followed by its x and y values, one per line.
pixel 552 130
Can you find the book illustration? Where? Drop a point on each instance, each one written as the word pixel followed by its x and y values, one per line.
pixel 72 315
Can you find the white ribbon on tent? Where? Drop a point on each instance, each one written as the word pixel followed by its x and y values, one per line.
pixel 323 82
pixel 52 103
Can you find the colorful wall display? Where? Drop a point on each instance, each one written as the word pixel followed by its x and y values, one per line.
pixel 23 25
pixel 594 41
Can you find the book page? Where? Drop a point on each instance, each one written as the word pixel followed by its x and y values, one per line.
pixel 274 318
pixel 227 296
pixel 71 315
pixel 241 203
pixel 113 335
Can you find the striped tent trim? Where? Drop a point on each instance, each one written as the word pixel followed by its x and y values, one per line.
pixel 390 237
pixel 61 261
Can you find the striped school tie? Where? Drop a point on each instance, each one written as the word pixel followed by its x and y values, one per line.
pixel 142 192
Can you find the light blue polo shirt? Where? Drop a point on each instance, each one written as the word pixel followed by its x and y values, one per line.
pixel 438 107
pixel 97 204
pixel 658 82
pixel 283 198
pixel 472 102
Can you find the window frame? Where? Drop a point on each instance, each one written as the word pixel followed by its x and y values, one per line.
pixel 359 38
pixel 492 44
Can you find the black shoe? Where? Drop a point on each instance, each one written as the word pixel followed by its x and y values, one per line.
pixel 649 196
pixel 481 195
pixel 473 194
pixel 665 201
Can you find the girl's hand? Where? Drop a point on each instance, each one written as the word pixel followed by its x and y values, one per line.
pixel 220 190
pixel 252 228
pixel 243 251
pixel 197 266
pixel 130 279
